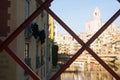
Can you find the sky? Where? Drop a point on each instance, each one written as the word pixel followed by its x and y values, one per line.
pixel 75 13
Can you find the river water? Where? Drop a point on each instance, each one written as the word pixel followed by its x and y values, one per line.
pixel 92 71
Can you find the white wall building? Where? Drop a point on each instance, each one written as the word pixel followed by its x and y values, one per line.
pixel 66 42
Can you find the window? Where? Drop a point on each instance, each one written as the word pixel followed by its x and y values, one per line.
pixel 27 8
pixel 26 50
pixel 27 58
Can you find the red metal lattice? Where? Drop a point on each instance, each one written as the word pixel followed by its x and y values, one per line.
pixel 45 6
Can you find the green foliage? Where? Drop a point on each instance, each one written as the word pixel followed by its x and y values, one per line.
pixel 54 55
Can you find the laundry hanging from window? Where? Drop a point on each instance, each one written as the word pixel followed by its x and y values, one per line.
pixel 38 34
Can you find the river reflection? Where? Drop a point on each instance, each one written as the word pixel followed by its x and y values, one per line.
pixel 90 72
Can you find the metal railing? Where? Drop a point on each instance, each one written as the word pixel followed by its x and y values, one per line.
pixel 85 46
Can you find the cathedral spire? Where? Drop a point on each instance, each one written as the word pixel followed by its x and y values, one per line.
pixel 96 13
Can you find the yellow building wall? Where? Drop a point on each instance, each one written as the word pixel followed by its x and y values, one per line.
pixel 51 28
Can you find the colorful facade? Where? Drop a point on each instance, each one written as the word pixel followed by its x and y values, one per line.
pixel 106 43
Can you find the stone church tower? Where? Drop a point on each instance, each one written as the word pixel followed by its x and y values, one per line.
pixel 93 25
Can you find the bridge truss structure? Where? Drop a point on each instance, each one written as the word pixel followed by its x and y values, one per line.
pixel 85 46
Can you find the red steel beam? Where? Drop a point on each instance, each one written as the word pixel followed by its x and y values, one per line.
pixel 22 63
pixel 24 24
pixel 85 46
pixel 118 1
pixel 105 26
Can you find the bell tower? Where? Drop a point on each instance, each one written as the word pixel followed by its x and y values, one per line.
pixel 96 13
pixel 95 24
